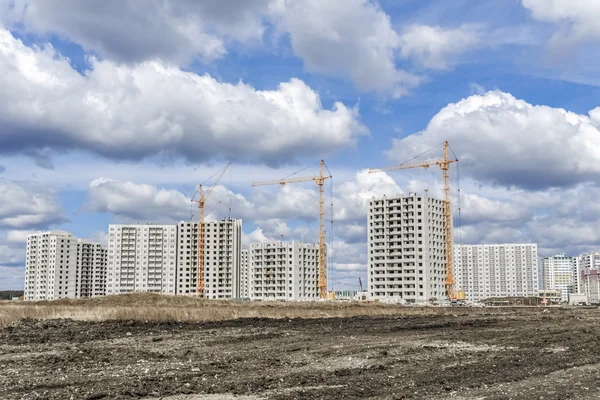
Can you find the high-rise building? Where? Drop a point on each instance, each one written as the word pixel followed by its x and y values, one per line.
pixel 245 275
pixel 60 266
pixel 585 263
pixel 587 276
pixel 222 259
pixel 91 267
pixel 284 271
pixel 141 258
pixel 407 257
pixel 496 270
pixel 558 274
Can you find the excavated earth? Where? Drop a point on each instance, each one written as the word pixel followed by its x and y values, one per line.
pixel 528 353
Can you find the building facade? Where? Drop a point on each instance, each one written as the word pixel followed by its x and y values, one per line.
pixel 222 259
pixel 91 267
pixel 407 257
pixel 590 285
pixel 283 271
pixel 496 270
pixel 245 275
pixel 60 266
pixel 141 258
pixel 559 273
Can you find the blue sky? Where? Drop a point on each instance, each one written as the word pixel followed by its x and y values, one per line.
pixel 114 112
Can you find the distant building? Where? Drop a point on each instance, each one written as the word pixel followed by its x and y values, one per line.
pixel 590 284
pixel 245 275
pixel 222 259
pixel 559 272
pixel 91 261
pixel 283 271
pixel 407 257
pixel 496 270
pixel 141 258
pixel 60 266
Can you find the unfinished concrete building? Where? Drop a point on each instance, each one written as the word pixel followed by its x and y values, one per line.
pixel 496 270
pixel 141 258
pixel 60 266
pixel 245 275
pixel 91 268
pixel 407 260
pixel 284 271
pixel 222 259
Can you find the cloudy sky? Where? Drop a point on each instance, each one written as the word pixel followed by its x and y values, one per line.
pixel 113 111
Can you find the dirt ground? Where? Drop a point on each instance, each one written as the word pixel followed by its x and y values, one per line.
pixel 528 353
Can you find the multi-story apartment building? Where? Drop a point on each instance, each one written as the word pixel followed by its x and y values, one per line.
pixel 590 285
pixel 58 266
pixel 587 276
pixel 244 275
pixel 558 273
pixel 222 259
pixel 284 271
pixel 407 257
pixel 585 263
pixel 141 258
pixel 91 267
pixel 496 270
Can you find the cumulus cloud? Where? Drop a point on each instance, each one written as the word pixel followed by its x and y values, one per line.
pixel 135 31
pixel 435 47
pixel 353 39
pixel 28 205
pixel 577 20
pixel 503 140
pixel 149 109
pixel 140 202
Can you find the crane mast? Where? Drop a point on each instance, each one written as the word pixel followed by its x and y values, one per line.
pixel 320 181
pixel 202 197
pixel 444 165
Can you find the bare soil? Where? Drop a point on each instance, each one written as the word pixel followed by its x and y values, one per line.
pixel 527 353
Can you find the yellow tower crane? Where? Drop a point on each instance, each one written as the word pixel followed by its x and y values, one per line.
pixel 320 181
pixel 201 203
pixel 444 165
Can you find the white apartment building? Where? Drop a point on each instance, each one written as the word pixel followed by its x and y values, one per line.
pixel 51 266
pixel 284 271
pixel 407 257
pixel 558 273
pixel 141 258
pixel 496 270
pixel 245 275
pixel 222 259
pixel 590 285
pixel 91 268
pixel 585 263
pixel 59 266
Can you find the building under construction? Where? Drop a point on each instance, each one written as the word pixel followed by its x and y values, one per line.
pixel 407 256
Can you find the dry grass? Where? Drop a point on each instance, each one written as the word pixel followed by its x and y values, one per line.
pixel 153 307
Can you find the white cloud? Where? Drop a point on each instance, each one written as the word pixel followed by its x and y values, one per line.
pixel 502 140
pixel 435 47
pixel 151 109
pixel 131 201
pixel 577 20
pixel 27 205
pixel 353 39
pixel 124 31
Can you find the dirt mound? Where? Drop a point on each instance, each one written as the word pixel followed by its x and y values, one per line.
pixel 491 354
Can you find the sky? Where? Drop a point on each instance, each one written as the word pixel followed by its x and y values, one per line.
pixel 114 111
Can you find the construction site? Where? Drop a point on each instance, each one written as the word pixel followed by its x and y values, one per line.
pixel 169 347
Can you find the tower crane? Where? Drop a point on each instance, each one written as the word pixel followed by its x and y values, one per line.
pixel 320 181
pixel 444 165
pixel 203 196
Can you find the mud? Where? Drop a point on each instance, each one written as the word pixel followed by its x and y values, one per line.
pixel 527 353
